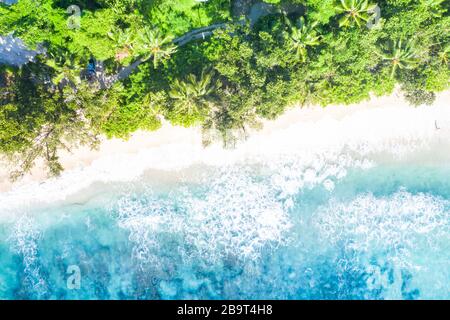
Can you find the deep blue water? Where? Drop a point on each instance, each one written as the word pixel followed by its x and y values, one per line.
pixel 380 233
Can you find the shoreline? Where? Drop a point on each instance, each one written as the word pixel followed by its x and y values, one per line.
pixel 171 136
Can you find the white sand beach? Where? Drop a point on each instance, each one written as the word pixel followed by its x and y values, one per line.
pixel 374 119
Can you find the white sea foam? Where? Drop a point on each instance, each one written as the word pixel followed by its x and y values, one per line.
pixel 235 217
pixel 396 224
pixel 24 240
pixel 392 237
pixel 302 154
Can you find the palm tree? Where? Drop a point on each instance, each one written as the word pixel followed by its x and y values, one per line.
pixel 434 6
pixel 191 95
pixel 124 41
pixel 355 12
pixel 401 55
pixel 122 38
pixel 152 44
pixel 303 36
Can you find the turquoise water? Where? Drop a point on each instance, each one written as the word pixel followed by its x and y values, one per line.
pixel 238 233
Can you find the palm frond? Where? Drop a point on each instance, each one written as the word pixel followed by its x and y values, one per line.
pixel 355 12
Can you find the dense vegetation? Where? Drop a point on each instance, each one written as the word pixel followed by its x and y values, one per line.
pixel 305 52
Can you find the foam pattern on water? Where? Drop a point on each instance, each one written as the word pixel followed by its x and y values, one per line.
pixel 233 215
pixel 409 232
pixel 387 223
pixel 24 240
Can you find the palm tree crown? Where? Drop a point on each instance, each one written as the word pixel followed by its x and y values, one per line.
pixel 303 36
pixel 355 12
pixel 152 44
pixel 124 42
pixel 191 95
pixel 122 38
pixel 401 54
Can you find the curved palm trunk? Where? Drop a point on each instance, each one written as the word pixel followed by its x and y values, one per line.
pixel 197 34
pixel 125 73
pixel 122 74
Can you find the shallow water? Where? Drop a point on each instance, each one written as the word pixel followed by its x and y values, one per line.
pixel 239 232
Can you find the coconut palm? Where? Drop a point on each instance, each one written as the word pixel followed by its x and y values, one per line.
pixel 191 95
pixel 301 37
pixel 434 6
pixel 401 55
pixel 354 12
pixel 122 38
pixel 152 44
pixel 124 42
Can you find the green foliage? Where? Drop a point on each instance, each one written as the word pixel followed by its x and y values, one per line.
pixel 435 7
pixel 191 96
pixel 354 12
pixel 152 44
pixel 419 97
pixel 320 10
pixel 36 121
pixel 303 36
pixel 400 54
pixel 322 53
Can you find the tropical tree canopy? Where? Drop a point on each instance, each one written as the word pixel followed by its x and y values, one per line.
pixel 302 36
pixel 191 94
pixel 355 12
pixel 151 44
pixel 401 54
pixel 295 52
